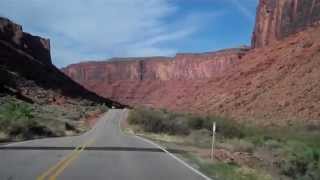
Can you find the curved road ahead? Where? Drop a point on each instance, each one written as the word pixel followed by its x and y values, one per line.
pixel 103 153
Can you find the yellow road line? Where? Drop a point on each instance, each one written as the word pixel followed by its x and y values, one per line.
pixel 63 161
pixel 51 169
pixel 69 161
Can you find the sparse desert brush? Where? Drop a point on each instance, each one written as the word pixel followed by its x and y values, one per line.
pixel 15 111
pixel 297 148
pixel 20 120
pixel 158 121
pixel 246 173
pixel 302 163
pixel 241 145
pixel 200 138
pixel 153 120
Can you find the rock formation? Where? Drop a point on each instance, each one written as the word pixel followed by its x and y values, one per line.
pixel 181 67
pixel 27 72
pixel 277 19
pixel 272 85
pixel 13 34
pixel 276 82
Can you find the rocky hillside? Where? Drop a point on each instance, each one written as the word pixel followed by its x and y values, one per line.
pixel 27 57
pixel 276 83
pixel 277 19
pixel 29 82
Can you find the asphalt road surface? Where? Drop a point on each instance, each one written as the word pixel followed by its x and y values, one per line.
pixel 103 153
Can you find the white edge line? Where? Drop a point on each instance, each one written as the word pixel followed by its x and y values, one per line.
pixel 175 157
pixel 167 152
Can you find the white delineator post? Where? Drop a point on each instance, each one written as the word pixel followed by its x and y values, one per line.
pixel 213 138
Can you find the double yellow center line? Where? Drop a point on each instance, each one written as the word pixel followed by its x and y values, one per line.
pixel 53 172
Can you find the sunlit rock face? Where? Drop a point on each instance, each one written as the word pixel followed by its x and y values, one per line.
pixel 181 67
pixel 277 19
pixel 274 82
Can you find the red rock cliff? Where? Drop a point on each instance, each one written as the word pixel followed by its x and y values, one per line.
pixel 37 47
pixel 26 70
pixel 274 84
pixel 277 19
pixel 180 67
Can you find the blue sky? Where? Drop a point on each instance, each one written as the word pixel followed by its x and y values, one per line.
pixel 82 30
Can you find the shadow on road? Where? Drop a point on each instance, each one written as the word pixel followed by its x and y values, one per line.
pixel 112 148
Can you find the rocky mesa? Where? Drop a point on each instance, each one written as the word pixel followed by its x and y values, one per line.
pixel 181 67
pixel 275 82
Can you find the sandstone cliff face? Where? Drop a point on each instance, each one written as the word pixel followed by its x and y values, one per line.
pixel 277 19
pixel 26 70
pixel 277 84
pixel 37 47
pixel 274 84
pixel 180 67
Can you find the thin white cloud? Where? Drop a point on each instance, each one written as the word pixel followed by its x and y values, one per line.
pixel 241 6
pixel 81 29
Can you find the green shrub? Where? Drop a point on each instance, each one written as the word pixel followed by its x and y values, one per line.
pixel 13 110
pixel 272 144
pixel 226 127
pixel 13 113
pixel 17 120
pixel 200 138
pixel 225 171
pixel 161 121
pixel 196 122
pixel 158 121
pixel 241 145
pixel 302 162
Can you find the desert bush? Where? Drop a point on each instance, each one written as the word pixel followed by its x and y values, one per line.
pixel 241 145
pixel 175 123
pixel 246 173
pixel 17 120
pixel 272 144
pixel 158 121
pixel 14 110
pixel 302 162
pixel 200 138
pixel 227 127
pixel 13 113
pixel 28 129
pixel 195 122
pixel 227 171
pixel 103 107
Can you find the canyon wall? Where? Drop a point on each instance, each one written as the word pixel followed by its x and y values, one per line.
pixel 273 85
pixel 181 67
pixel 36 46
pixel 275 82
pixel 277 19
pixel 26 70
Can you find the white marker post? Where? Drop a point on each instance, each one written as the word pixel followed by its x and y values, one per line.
pixel 213 138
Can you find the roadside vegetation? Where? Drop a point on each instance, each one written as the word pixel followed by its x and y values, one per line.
pixel 242 151
pixel 20 120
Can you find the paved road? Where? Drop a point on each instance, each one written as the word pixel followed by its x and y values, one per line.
pixel 104 152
